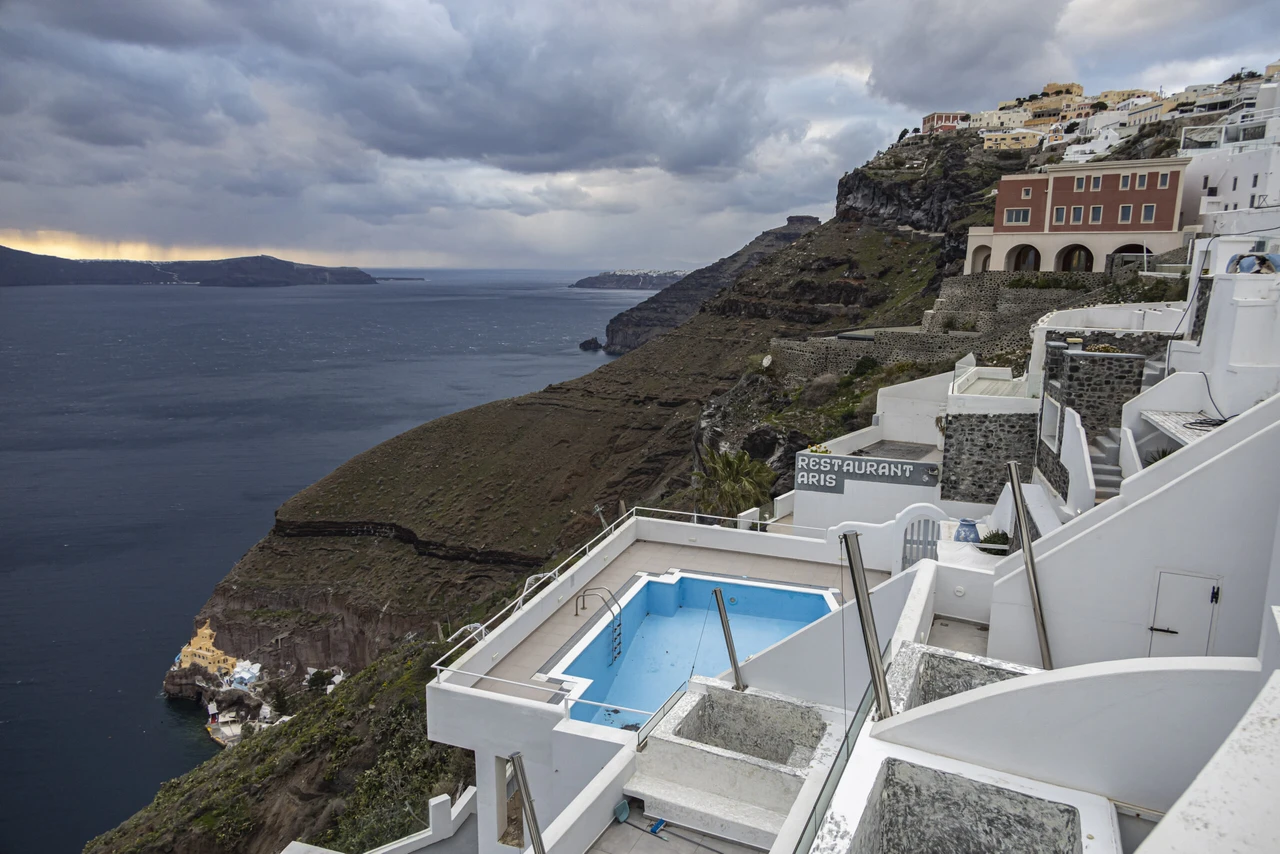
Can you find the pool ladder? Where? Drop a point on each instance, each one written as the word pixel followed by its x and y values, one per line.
pixel 611 602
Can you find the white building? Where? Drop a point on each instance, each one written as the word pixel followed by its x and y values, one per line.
pixel 1103 142
pixel 1099 122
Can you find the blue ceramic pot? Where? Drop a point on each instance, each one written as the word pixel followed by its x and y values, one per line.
pixel 967 532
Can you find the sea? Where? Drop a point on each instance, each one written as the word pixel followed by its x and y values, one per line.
pixel 147 435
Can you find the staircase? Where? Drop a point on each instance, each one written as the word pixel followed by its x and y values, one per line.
pixel 1104 459
pixel 1153 372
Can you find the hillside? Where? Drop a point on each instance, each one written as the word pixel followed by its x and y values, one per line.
pixel 19 268
pixel 438 526
pixel 666 310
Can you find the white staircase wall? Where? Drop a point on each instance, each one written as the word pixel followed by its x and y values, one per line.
pixel 1163 720
pixel 1205 510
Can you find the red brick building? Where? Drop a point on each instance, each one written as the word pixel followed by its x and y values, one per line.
pixel 942 121
pixel 1071 216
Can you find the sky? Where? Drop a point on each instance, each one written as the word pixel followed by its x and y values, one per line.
pixel 559 134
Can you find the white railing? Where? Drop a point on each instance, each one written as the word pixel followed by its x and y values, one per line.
pixel 538 583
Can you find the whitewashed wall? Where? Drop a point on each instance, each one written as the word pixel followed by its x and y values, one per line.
pixel 1163 720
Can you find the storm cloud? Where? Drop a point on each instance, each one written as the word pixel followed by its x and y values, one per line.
pixel 561 133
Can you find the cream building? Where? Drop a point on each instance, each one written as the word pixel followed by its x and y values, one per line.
pixel 201 652
pixel 1014 118
pixel 1007 140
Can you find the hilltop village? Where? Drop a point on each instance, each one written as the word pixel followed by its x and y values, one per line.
pixel 910 539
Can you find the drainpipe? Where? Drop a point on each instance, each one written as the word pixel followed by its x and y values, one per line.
pixel 526 800
pixel 1029 562
pixel 862 595
pixel 738 684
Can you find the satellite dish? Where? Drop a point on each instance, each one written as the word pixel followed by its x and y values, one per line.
pixel 768 360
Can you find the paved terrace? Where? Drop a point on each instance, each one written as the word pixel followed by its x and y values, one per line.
pixel 533 652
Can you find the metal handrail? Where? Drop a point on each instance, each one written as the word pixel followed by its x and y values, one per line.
pixel 526 799
pixel 642 735
pixel 862 594
pixel 1029 562
pixel 738 684
pixel 610 603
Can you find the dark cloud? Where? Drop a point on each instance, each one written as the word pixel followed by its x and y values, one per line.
pixel 564 131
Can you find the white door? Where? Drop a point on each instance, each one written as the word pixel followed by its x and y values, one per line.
pixel 1184 614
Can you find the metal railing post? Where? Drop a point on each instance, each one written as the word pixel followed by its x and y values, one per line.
pixel 738 684
pixel 1029 562
pixel 526 801
pixel 862 596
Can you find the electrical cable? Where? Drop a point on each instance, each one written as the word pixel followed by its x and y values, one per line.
pixel 666 829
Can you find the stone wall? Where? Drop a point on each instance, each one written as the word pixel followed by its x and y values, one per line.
pixel 1148 344
pixel 1050 465
pixel 977 449
pixel 1204 289
pixel 987 318
pixel 1097 385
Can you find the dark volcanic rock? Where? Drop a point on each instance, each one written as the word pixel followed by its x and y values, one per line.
pixel 258 271
pixel 591 344
pixel 671 307
pixel 631 280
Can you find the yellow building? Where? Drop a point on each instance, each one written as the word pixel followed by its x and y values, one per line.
pixel 201 652
pixel 1008 140
pixel 1064 88
pixel 1115 96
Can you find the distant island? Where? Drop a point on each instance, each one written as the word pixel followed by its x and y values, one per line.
pixel 18 268
pixel 632 280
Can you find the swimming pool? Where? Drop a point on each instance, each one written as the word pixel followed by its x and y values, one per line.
pixel 669 627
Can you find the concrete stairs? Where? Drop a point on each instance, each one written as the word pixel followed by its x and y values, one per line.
pixel 1104 459
pixel 1153 372
pixel 705 811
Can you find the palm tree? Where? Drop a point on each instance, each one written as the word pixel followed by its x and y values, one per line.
pixel 731 482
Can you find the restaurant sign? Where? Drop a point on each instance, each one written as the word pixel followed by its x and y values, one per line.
pixel 828 472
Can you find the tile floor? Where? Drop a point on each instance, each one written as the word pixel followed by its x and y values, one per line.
pixel 959 635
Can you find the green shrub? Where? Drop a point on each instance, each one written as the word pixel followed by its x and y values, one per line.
pixel 995 538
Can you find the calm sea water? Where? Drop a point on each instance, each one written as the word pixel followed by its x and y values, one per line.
pixel 146 437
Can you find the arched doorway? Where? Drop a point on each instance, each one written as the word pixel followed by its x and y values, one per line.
pixel 981 260
pixel 1023 259
pixel 1075 259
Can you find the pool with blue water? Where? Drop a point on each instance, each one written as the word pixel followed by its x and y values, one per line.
pixel 670 630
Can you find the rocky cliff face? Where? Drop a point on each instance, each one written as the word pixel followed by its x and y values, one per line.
pixel 666 310
pixel 25 268
pixel 631 280
pixel 938 184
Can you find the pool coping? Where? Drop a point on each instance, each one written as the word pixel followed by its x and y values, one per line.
pixel 573 687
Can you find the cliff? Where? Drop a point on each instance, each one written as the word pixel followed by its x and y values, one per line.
pixel 667 309
pixel 19 268
pixel 439 527
pixel 631 280
pixel 939 185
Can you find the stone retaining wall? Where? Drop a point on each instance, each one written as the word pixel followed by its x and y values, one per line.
pixel 977 449
pixel 1148 344
pixel 1097 386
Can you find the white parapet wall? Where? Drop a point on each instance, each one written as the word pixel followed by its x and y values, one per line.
pixel 1046 725
pixel 1099 574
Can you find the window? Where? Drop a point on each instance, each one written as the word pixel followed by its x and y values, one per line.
pixel 1080 184
pixel 1059 216
pixel 1142 182
pixel 1126 214
pixel 1095 214
pixel 1251 198
pixel 1077 215
pixel 1163 183
pixel 1148 213
pixel 1205 185
pixel 1026 192
pixel 1234 182
pixel 1049 422
pixel 1097 182
pixel 1255 181
pixel 1017 216
pixel 1124 182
